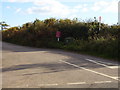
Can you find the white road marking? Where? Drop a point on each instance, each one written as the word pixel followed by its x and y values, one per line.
pixel 108 63
pixel 48 84
pixel 111 67
pixel 103 82
pixel 117 77
pixel 76 83
pixel 90 70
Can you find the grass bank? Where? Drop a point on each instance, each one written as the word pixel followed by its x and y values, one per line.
pixel 108 49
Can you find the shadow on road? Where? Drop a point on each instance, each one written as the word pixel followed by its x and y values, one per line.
pixel 77 59
pixel 52 67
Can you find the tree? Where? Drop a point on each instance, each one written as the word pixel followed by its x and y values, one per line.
pixel 50 22
pixel 3 25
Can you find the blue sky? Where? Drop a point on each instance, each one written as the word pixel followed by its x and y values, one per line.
pixel 18 12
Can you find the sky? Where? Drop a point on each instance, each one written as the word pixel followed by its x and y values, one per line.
pixel 18 12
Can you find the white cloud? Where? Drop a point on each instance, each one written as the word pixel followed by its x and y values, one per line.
pixel 8 7
pixel 105 7
pixel 19 0
pixel 78 7
pixel 96 8
pixel 53 8
pixel 84 9
pixel 57 0
pixel 111 7
pixel 18 10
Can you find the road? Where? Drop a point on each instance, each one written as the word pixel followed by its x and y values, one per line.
pixel 26 67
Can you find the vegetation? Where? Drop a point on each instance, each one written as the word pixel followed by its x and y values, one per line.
pixel 83 37
pixel 3 25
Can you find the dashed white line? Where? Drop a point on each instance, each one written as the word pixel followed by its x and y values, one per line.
pixel 90 70
pixel 103 82
pixel 111 67
pixel 76 83
pixel 48 84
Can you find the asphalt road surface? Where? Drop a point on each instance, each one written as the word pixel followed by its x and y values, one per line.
pixel 26 67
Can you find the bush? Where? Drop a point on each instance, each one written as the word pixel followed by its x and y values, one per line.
pixel 83 37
